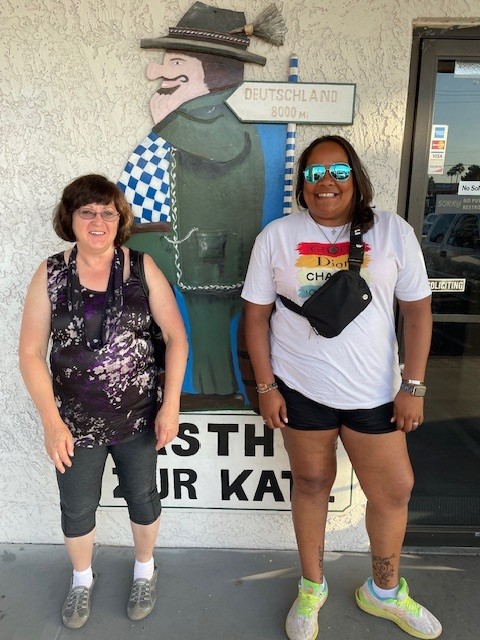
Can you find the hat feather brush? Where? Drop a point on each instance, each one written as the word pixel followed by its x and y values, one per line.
pixel 269 26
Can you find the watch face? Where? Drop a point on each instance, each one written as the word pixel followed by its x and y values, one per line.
pixel 262 386
pixel 419 390
pixel 414 389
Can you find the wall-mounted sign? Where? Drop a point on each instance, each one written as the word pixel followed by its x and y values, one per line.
pixel 469 187
pixel 457 204
pixel 293 102
pixel 228 461
pixel 438 148
pixel 447 284
pixel 177 180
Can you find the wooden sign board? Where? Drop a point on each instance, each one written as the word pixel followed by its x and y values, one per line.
pixel 299 102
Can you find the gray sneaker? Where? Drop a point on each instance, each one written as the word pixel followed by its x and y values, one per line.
pixel 76 608
pixel 142 597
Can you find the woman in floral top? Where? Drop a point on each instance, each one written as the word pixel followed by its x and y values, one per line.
pixel 100 394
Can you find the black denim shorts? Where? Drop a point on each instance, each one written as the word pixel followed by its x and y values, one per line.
pixel 80 486
pixel 307 415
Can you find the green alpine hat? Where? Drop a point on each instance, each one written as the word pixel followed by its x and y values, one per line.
pixel 208 29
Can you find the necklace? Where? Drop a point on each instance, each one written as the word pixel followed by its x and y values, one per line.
pixel 332 249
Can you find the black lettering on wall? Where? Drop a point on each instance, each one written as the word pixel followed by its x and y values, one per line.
pixel 252 441
pixel 163 476
pixel 223 431
pixel 268 484
pixel 236 486
pixel 187 482
pixel 192 442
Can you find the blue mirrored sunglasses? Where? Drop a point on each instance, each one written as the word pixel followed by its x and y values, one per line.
pixel 340 171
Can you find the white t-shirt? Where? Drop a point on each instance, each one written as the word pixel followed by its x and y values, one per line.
pixel 359 369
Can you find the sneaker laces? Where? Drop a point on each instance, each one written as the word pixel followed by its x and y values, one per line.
pixel 77 598
pixel 410 605
pixel 307 604
pixel 140 590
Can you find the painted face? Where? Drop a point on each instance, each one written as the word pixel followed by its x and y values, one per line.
pixel 177 70
pixel 96 233
pixel 329 201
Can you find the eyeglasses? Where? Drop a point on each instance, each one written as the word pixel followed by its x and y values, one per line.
pixel 108 216
pixel 340 171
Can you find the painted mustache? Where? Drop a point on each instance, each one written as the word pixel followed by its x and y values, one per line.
pixel 181 78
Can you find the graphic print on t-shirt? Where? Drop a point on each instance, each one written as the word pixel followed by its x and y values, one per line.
pixel 318 261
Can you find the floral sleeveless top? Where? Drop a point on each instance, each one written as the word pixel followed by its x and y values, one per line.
pixel 105 379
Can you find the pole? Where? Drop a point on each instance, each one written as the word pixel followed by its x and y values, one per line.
pixel 290 146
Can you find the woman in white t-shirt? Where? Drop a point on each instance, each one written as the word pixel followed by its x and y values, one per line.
pixel 316 389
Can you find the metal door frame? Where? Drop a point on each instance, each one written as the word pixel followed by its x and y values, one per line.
pixel 428 47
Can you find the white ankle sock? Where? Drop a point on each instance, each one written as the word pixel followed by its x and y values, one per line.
pixel 143 569
pixel 384 593
pixel 82 578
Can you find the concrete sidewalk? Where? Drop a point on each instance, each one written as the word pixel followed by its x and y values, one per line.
pixel 217 594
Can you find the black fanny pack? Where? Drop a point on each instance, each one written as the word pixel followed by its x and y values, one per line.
pixel 341 299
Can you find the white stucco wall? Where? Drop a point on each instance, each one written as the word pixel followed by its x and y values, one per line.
pixel 74 99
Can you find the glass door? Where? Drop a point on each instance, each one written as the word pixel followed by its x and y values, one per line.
pixel 444 207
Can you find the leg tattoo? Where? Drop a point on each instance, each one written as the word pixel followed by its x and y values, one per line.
pixel 383 570
pixel 320 558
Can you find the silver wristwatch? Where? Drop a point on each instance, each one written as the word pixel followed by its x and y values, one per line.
pixel 413 387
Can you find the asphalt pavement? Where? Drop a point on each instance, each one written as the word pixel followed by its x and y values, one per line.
pixel 219 594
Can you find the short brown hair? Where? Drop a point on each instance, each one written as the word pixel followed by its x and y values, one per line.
pixel 362 187
pixel 89 189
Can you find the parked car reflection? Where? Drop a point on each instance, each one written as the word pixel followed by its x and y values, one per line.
pixel 452 250
pixel 452 246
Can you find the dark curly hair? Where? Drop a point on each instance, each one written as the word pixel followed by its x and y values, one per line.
pixel 90 189
pixel 362 187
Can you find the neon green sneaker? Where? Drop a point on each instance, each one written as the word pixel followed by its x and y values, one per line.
pixel 302 619
pixel 408 614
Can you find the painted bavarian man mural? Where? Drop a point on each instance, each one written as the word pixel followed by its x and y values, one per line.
pixel 202 185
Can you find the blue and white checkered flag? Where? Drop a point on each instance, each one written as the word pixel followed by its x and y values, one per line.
pixel 146 180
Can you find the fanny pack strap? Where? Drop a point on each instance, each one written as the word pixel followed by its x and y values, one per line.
pixel 355 254
pixel 355 259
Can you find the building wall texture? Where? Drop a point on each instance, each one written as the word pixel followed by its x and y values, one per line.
pixel 74 99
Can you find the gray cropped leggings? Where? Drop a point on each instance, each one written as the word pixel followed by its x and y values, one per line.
pixel 80 486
